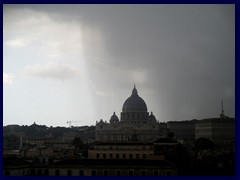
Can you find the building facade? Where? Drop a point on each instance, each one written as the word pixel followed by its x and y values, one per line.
pixel 135 123
pixel 184 131
pixel 128 150
pixel 93 167
pixel 221 131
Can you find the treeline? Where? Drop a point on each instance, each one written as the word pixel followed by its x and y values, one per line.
pixel 35 130
pixel 12 133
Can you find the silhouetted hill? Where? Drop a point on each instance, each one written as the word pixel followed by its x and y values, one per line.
pixel 12 133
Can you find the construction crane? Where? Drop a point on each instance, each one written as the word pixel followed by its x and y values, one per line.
pixel 70 122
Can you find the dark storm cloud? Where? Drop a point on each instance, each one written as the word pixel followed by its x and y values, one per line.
pixel 186 50
pixel 184 54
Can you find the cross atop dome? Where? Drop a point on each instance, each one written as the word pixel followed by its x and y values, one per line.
pixel 134 91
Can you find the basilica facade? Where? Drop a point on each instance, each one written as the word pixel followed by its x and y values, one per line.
pixel 135 123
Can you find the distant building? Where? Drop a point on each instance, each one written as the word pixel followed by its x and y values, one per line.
pixel 47 148
pixel 90 167
pixel 165 146
pixel 128 150
pixel 221 131
pixel 69 136
pixel 184 131
pixel 104 159
pixel 135 123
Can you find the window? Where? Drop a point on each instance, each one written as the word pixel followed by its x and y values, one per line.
pixel 169 173
pixel 94 173
pixel 46 172
pixel 130 156
pixel 155 173
pixel 117 156
pixel 105 172
pixel 143 173
pixel 124 156
pixel 118 173
pixel 33 173
pixel 81 172
pixel 130 172
pixel 7 173
pixel 110 155
pixel 144 156
pixel 69 172
pixel 104 156
pixel 98 155
pixel 137 156
pixel 57 172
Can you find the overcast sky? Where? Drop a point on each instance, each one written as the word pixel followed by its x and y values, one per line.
pixel 79 62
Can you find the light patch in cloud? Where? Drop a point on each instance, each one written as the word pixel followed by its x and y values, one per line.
pixel 188 112
pixel 41 30
pixel 102 93
pixel 8 78
pixel 138 76
pixel 229 92
pixel 16 43
pixel 52 70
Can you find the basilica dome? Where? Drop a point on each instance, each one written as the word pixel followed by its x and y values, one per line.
pixel 134 103
pixel 114 118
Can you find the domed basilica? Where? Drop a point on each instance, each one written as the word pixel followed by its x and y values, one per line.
pixel 135 123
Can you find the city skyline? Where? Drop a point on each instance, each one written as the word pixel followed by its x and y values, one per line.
pixel 79 62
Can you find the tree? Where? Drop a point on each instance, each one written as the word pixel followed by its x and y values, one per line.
pixel 170 135
pixel 203 144
pixel 11 142
pixel 79 145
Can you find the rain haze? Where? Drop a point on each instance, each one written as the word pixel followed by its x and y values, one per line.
pixel 80 62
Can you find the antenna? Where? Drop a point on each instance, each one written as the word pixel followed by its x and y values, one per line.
pixel 222 114
pixel 222 108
